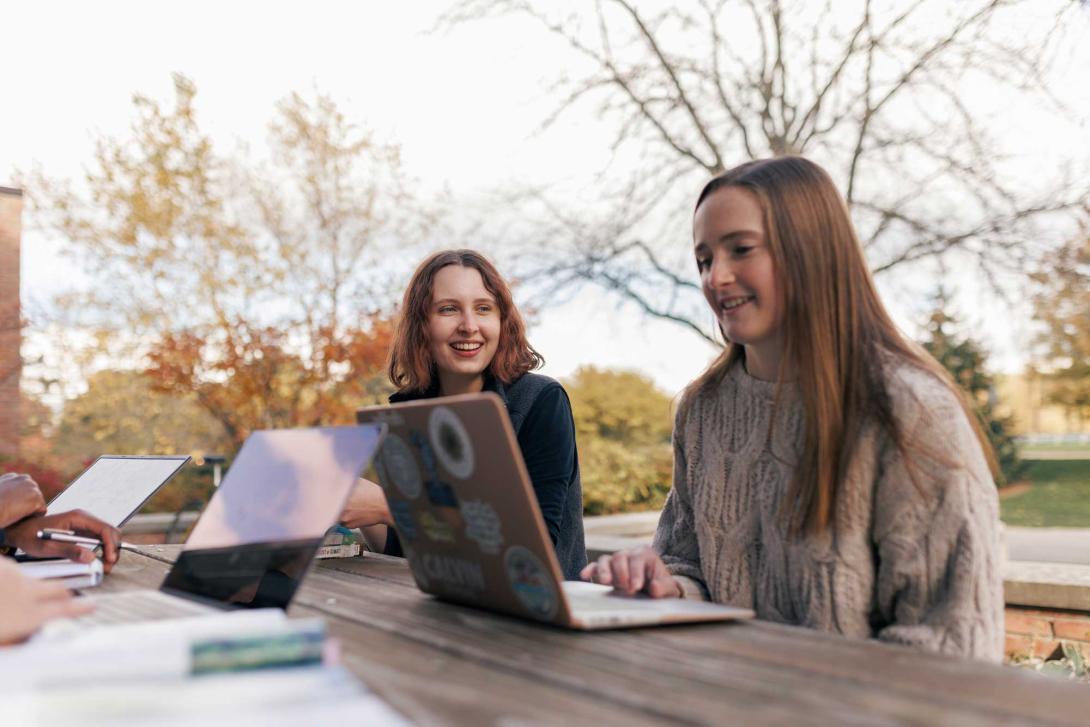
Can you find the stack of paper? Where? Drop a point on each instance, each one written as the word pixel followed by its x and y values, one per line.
pixel 238 667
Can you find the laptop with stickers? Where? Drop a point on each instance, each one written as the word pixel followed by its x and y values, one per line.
pixel 470 526
pixel 257 537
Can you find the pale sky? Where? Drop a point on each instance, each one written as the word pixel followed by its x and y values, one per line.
pixel 463 106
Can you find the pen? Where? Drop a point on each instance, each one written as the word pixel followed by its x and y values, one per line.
pixel 67 536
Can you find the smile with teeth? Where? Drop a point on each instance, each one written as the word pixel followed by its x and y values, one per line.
pixel 732 303
pixel 466 346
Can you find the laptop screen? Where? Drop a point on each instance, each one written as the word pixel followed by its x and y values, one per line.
pixel 114 487
pixel 257 536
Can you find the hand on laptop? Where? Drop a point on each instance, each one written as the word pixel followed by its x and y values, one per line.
pixel 366 506
pixel 24 534
pixel 19 498
pixel 633 571
pixel 27 603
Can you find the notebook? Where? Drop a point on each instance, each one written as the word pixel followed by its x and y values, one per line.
pixel 469 523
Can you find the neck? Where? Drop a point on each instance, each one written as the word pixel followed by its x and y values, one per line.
pixel 451 384
pixel 763 362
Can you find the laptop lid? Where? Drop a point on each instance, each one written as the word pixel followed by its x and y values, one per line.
pixel 258 534
pixel 115 487
pixel 464 508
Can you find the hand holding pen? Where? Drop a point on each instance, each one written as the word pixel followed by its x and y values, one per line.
pixel 24 534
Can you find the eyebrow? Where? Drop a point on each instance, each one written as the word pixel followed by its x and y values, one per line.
pixel 732 236
pixel 455 300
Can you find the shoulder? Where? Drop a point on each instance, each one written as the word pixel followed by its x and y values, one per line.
pixel 920 399
pixel 530 384
pixel 538 403
pixel 935 428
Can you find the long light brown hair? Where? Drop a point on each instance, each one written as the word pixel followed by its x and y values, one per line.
pixel 835 328
pixel 411 366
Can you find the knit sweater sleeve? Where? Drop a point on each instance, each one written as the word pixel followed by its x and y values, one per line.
pixel 939 581
pixel 675 537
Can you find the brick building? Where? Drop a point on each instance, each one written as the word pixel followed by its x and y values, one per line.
pixel 11 208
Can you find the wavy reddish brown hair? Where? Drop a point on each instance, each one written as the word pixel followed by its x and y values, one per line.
pixel 411 367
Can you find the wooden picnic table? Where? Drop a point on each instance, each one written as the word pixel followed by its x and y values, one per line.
pixel 439 663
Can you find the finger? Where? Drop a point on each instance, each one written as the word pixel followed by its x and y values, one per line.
pixel 74 608
pixel 88 525
pixel 587 574
pixel 639 570
pixel 604 574
pixel 619 563
pixel 45 592
pixel 665 587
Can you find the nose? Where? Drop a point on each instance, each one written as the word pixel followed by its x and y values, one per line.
pixel 722 272
pixel 468 323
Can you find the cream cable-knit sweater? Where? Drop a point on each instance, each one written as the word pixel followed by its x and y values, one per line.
pixel 910 563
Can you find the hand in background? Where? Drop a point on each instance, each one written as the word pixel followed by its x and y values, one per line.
pixel 19 498
pixel 633 571
pixel 366 506
pixel 24 534
pixel 28 603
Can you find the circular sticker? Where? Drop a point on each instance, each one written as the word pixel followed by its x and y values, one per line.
pixel 397 464
pixel 530 582
pixel 451 442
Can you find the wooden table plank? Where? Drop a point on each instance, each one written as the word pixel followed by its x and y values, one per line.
pixel 432 660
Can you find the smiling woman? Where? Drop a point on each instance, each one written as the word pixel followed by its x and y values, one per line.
pixel 460 333
pixel 827 471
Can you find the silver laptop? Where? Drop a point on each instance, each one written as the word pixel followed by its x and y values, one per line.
pixel 258 534
pixel 115 487
pixel 471 528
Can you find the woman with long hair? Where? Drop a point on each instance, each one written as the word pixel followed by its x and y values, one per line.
pixel 459 332
pixel 828 472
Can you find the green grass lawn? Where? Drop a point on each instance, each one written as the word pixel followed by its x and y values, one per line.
pixel 1060 496
pixel 1027 450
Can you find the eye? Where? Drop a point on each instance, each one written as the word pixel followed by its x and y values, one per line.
pixel 703 263
pixel 484 308
pixel 742 250
pixel 444 309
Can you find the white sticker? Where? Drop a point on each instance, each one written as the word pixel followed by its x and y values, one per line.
pixel 397 463
pixel 451 442
pixel 530 582
pixel 482 525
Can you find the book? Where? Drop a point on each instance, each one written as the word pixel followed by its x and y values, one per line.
pixel 340 542
pixel 348 550
pixel 72 574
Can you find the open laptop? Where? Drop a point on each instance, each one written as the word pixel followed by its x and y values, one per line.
pixel 113 489
pixel 469 523
pixel 258 534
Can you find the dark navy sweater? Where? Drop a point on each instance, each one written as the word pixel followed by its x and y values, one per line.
pixel 541 417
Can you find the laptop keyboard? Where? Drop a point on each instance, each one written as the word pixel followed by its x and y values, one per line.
pixel 138 606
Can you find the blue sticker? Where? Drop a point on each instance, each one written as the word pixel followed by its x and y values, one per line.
pixel 427 454
pixel 531 582
pixel 441 494
pixel 403 519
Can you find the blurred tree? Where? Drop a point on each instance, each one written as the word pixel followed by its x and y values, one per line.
pixel 261 288
pixel 967 363
pixel 623 426
pixel 885 95
pixel 123 413
pixel 1062 304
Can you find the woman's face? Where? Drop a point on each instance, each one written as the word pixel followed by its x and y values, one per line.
pixel 463 322
pixel 736 271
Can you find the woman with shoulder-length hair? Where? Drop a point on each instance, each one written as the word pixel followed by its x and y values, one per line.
pixel 828 472
pixel 460 332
